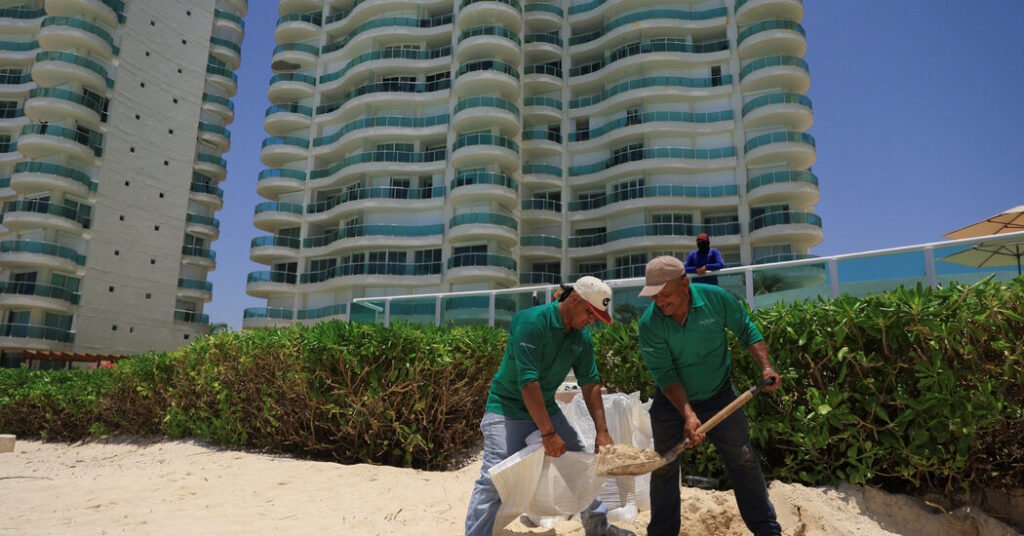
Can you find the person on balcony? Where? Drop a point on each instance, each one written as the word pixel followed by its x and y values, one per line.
pixel 544 343
pixel 704 258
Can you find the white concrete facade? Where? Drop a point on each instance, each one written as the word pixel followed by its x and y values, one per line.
pixel 481 144
pixel 110 182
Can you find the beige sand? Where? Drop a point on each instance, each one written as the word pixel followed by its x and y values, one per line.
pixel 624 459
pixel 177 488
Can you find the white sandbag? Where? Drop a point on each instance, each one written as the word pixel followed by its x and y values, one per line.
pixel 516 479
pixel 568 484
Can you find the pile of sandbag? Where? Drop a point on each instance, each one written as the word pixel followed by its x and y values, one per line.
pixel 549 490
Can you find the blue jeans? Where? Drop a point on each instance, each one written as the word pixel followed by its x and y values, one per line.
pixel 502 438
pixel 732 440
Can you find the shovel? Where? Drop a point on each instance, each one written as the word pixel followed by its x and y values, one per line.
pixel 634 469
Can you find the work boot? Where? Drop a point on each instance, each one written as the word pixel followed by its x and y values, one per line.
pixel 591 528
pixel 616 531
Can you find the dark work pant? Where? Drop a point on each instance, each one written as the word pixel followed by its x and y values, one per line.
pixel 732 440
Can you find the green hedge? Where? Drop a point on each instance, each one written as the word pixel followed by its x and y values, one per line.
pixel 913 389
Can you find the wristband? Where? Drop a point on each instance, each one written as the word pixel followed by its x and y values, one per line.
pixel 551 433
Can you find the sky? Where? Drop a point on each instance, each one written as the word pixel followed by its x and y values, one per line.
pixel 916 106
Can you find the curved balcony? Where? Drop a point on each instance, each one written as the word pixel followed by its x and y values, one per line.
pixel 543 17
pixel 271 216
pixel 653 23
pixel 539 278
pixel 45 104
pixel 664 235
pixel 197 289
pixel 30 177
pixel 42 333
pixel 542 47
pixel 374 197
pixel 264 317
pixel 222 106
pixel 653 123
pixel 792 109
pixel 391 128
pixel 483 226
pixel 479 150
pixel 654 159
pixel 274 182
pixel 393 58
pixel 229 21
pixel 20 20
pixel 13 118
pixel 470 186
pixel 782 37
pixel 28 214
pixel 655 196
pixel 271 249
pixel 211 165
pixel 70 33
pixel 110 12
pixel 484 112
pixel 787 73
pixel 205 193
pixel 487 76
pixel 56 68
pixel 215 135
pixel 373 236
pixel 788 186
pixel 191 317
pixel 22 295
pixel 399 161
pixel 295 27
pixel 748 11
pixel 542 175
pixel 38 140
pixel 542 142
pixel 280 150
pixel 489 41
pixel 34 253
pixel 507 13
pixel 373 274
pixel 224 78
pixel 656 54
pixel 339 309
pixel 490 267
pixel 541 209
pixel 17 51
pixel 200 225
pixel 227 51
pixel 383 93
pixel 542 78
pixel 412 27
pixel 197 256
pixel 294 57
pixel 802 229
pixel 653 86
pixel 268 283
pixel 540 246
pixel 542 110
pixel 796 149
pixel 281 119
pixel 287 87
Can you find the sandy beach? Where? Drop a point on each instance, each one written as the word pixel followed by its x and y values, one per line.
pixel 179 487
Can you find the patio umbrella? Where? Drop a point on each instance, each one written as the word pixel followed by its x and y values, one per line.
pixel 1009 221
pixel 989 255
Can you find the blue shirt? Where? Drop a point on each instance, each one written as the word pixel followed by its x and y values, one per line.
pixel 712 259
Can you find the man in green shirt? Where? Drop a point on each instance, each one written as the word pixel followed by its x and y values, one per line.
pixel 684 346
pixel 544 343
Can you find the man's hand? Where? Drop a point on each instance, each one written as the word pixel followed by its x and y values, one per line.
pixel 603 439
pixel 553 445
pixel 770 373
pixel 702 270
pixel 690 430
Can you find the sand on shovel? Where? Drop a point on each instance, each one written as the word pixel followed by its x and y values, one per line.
pixel 627 460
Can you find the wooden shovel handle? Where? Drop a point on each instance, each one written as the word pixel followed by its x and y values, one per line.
pixel 721 416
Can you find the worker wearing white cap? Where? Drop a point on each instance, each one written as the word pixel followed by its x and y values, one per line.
pixel 544 343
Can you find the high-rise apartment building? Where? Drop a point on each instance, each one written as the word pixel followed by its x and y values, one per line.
pixel 480 144
pixel 113 117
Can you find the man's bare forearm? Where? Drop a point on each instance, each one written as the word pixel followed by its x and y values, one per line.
pixel 534 400
pixel 677 396
pixel 592 396
pixel 759 351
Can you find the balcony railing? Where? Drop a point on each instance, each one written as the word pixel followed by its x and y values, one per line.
pixel 651 81
pixel 773 61
pixel 649 153
pixel 779 137
pixel 776 177
pixel 385 54
pixel 465 260
pixel 47 168
pixel 472 178
pixel 42 248
pixel 82 214
pixel 497 31
pixel 288 278
pixel 787 217
pixel 767 25
pixel 92 140
pixel 195 284
pixel 651 117
pixel 382 121
pixel 487 102
pixel 269 313
pixel 483 218
pixel 405 157
pixel 191 317
pixel 324 312
pixel 357 231
pixel 485 139
pixel 22 288
pixel 655 190
pixel 384 87
pixel 30 331
pixel 487 65
pixel 675 14
pixel 372 268
pixel 275 241
pixel 648 48
pixel 776 98
pixel 409 22
pixel 655 229
pixel 376 192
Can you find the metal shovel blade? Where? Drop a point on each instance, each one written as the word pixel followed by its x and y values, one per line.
pixel 636 469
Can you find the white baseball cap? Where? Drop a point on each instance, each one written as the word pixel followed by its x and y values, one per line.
pixel 597 295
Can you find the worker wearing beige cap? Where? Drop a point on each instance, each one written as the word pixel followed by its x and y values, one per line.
pixel 544 343
pixel 684 346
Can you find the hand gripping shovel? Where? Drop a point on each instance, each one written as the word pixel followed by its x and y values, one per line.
pixel 634 469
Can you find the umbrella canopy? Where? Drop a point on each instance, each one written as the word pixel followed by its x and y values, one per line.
pixel 1009 221
pixel 988 255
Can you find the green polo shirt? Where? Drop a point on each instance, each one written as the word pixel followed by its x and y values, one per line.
pixel 538 349
pixel 695 354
